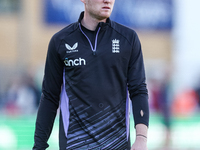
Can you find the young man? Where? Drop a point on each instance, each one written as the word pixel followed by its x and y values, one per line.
pixel 96 62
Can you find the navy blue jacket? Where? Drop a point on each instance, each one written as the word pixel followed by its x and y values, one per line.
pixel 92 80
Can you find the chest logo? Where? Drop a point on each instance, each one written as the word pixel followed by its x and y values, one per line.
pixel 115 46
pixel 72 49
pixel 74 62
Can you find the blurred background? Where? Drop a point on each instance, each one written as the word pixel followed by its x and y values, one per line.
pixel 169 31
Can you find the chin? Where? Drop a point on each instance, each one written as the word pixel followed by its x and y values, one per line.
pixel 105 15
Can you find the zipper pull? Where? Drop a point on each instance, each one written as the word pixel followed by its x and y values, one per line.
pixel 94 53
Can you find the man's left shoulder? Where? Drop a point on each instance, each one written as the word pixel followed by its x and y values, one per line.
pixel 125 31
pixel 122 28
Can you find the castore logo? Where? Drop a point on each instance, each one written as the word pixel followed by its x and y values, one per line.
pixel 71 49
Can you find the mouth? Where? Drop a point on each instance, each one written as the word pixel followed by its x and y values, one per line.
pixel 106 8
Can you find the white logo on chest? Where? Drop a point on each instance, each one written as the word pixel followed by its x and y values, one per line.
pixel 74 62
pixel 115 46
pixel 71 49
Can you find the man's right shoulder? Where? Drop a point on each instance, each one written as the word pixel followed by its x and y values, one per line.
pixel 69 29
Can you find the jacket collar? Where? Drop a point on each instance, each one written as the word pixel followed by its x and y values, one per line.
pixel 103 25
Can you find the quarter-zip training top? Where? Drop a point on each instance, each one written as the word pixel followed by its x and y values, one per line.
pixel 92 82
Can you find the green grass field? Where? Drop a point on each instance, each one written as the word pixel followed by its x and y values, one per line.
pixel 16 133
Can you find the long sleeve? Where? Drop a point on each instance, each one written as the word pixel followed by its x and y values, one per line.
pixel 137 86
pixel 49 102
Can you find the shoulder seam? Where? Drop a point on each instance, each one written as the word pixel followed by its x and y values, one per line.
pixel 122 34
pixel 74 30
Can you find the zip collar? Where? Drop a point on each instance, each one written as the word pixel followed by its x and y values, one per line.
pixel 96 38
pixel 103 25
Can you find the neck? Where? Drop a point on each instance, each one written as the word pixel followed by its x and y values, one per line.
pixel 90 23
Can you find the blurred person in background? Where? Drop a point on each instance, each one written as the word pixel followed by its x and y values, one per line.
pixel 197 91
pixel 21 96
pixel 28 95
pixel 161 101
pixel 10 97
pixel 94 60
pixel 198 96
pixel 165 109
